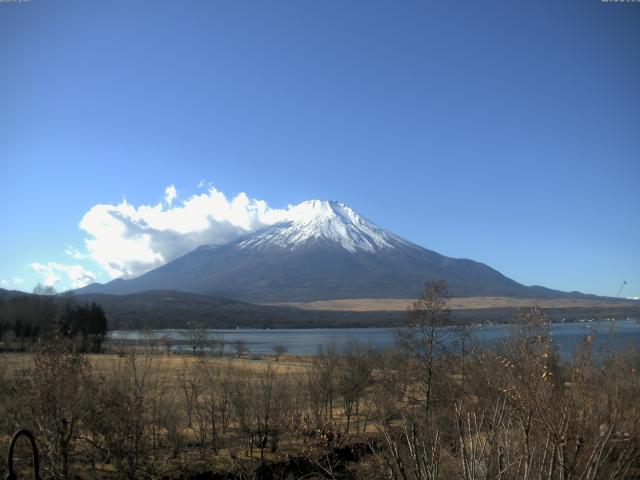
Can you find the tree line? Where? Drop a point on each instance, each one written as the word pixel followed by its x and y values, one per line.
pixel 29 319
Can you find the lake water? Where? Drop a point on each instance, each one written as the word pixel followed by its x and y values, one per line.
pixel 620 334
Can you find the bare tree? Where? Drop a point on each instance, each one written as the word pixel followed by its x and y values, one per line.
pixel 410 452
pixel 279 350
pixel 119 415
pixel 421 334
pixel 270 407
pixel 241 348
pixel 196 336
pixel 353 378
pixel 218 344
pixel 44 290
pixel 58 382
pixel 321 384
pixel 167 343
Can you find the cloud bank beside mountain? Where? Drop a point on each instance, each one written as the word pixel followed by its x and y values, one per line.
pixel 52 273
pixel 127 240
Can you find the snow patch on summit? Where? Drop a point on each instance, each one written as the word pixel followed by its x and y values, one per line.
pixel 329 221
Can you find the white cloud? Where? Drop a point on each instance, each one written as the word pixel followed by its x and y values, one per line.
pixel 126 240
pixel 18 280
pixel 170 194
pixel 201 183
pixel 3 282
pixel 75 253
pixel 77 275
pixel 47 272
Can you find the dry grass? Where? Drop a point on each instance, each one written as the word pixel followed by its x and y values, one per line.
pixel 170 369
pixel 103 363
pixel 466 303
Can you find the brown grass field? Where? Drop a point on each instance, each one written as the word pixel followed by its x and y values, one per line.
pixel 172 403
pixel 176 364
pixel 463 303
pixel 170 369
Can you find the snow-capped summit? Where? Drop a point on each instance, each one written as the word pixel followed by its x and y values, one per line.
pixel 324 221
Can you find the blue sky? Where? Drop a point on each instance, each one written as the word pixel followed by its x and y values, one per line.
pixel 506 132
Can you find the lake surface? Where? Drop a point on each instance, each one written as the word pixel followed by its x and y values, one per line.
pixel 620 334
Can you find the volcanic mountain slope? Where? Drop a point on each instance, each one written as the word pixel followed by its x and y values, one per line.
pixel 324 250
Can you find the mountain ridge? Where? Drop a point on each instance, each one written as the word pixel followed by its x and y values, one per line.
pixel 323 250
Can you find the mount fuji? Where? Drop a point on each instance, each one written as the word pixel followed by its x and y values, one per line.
pixel 323 250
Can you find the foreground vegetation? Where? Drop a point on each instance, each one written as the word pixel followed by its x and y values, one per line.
pixel 516 411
